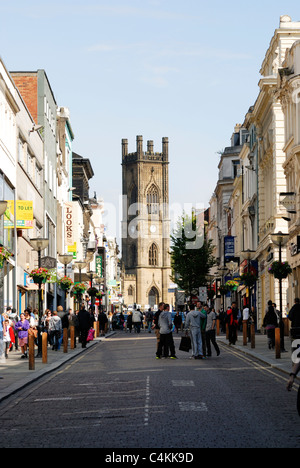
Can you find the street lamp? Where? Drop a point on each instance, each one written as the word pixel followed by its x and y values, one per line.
pixel 280 240
pixel 39 244
pixel 249 255
pixel 80 265
pixel 93 275
pixel 65 260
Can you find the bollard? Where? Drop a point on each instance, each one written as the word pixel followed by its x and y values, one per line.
pixel 45 348
pixel 65 340
pixel 31 352
pixel 218 327
pixel 252 335
pixel 95 328
pixel 245 332
pixel 227 331
pixel 72 337
pixel 277 343
pixel 98 328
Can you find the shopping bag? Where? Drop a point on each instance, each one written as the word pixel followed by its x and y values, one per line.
pixel 91 335
pixel 185 344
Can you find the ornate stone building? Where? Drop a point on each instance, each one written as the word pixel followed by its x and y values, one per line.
pixel 146 225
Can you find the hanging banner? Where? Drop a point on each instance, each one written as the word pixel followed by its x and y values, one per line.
pixel 70 218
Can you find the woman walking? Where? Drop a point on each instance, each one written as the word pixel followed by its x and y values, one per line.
pixel 22 328
pixel 270 323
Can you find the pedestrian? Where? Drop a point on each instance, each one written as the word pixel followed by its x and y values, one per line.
pixel 246 318
pixel 114 321
pixel 2 332
pixel 232 320
pixel 74 322
pixel 102 322
pixel 137 318
pixel 46 323
pixel 129 321
pixel 149 319
pixel 204 311
pixel 177 321
pixel 166 342
pixel 193 324
pixel 9 337
pixel 211 332
pixel 294 317
pixel 55 327
pixel 84 319
pixel 281 326
pixel 270 323
pixel 155 325
pixel 22 327
pixel 64 316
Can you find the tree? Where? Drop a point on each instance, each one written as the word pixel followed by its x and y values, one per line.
pixel 191 254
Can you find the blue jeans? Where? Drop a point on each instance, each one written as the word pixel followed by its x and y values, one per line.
pixel 196 342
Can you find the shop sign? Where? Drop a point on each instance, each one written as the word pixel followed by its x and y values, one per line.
pixel 24 214
pixel 295 247
pixel 229 248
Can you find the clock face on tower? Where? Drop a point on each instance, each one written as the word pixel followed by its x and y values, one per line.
pixel 153 229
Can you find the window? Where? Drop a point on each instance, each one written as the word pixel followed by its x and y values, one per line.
pixel 153 200
pixel 235 168
pixel 153 255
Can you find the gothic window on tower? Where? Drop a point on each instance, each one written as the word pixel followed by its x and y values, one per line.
pixel 153 255
pixel 153 200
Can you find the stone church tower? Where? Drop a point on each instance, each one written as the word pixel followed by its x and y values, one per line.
pixel 146 225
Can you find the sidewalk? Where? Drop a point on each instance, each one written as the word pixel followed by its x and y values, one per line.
pixel 262 353
pixel 16 374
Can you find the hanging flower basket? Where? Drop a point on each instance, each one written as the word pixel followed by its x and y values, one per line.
pixel 79 289
pixel 223 290
pixel 65 283
pixel 40 275
pixel 280 270
pixel 249 279
pixel 99 295
pixel 4 255
pixel 92 292
pixel 232 285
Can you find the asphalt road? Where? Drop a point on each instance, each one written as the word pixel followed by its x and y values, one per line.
pixel 118 396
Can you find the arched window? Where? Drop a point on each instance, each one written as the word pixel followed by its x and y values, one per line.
pixel 153 255
pixel 130 291
pixel 153 200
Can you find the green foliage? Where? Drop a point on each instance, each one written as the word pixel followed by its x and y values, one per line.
pixel 191 255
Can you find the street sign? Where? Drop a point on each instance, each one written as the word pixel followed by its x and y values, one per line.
pixel 48 262
pixel 203 294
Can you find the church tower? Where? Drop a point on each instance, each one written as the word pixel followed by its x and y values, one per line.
pixel 146 224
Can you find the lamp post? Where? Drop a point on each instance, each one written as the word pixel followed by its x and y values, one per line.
pixel 65 259
pixel 92 275
pixel 80 265
pixel 39 244
pixel 249 255
pixel 280 240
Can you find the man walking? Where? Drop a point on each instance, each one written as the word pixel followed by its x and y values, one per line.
pixel 84 319
pixel 211 332
pixel 155 322
pixel 193 323
pixel 166 337
pixel 294 317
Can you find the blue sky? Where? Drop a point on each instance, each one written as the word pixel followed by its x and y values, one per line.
pixel 188 70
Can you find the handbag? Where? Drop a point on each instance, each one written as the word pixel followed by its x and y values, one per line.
pixel 185 344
